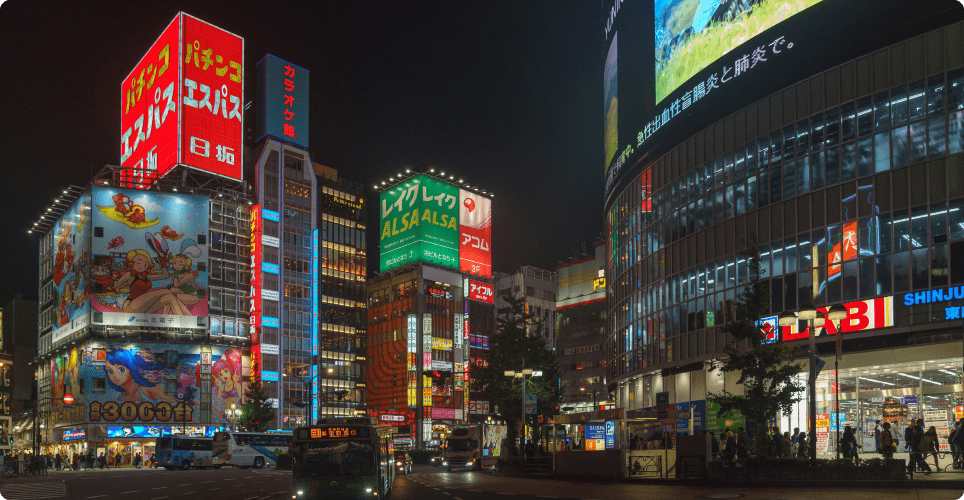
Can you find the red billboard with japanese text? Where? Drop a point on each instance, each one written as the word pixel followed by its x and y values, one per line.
pixel 182 104
pixel 254 310
pixel 482 292
pixel 475 234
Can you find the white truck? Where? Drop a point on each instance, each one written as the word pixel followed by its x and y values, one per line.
pixel 473 446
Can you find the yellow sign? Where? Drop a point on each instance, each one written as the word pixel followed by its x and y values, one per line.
pixel 441 344
pixel 598 283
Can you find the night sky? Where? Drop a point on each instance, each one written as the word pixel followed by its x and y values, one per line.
pixel 504 94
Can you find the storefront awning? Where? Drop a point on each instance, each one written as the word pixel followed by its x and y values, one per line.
pixel 589 416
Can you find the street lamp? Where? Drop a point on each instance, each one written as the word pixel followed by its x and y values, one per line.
pixel 311 398
pixel 808 312
pixel 521 374
pixel 835 314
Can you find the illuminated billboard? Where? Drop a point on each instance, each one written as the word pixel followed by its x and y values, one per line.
pixel 282 100
pixel 690 34
pixel 475 239
pixel 71 281
pixel 145 383
pixel 710 58
pixel 182 104
pixel 427 220
pixel 148 259
pixel 420 222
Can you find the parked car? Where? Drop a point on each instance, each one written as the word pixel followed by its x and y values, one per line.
pixel 403 462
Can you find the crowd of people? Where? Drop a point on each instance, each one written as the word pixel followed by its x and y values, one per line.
pixel 919 441
pixel 27 463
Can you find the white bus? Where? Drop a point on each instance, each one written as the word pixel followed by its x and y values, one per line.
pixel 184 452
pixel 249 449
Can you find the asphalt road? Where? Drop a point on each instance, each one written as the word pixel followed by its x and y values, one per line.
pixel 425 483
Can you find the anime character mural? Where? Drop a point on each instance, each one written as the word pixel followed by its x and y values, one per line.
pixel 142 273
pixel 70 276
pixel 65 379
pixel 226 377
pixel 135 375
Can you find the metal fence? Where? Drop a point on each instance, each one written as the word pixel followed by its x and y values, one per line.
pixel 646 466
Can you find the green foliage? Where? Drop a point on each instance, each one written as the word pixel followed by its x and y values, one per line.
pixel 513 347
pixel 766 371
pixel 257 413
pixel 718 39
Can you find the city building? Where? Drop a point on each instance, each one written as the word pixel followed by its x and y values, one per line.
pixel 435 270
pixel 581 330
pixel 144 272
pixel 18 348
pixel 537 289
pixel 343 305
pixel 843 156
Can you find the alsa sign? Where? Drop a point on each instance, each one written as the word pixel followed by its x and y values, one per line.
pixel 861 315
pixel 182 104
pixel 481 292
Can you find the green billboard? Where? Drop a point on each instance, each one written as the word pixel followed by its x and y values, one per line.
pixel 419 221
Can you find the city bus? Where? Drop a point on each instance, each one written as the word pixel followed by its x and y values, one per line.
pixel 182 451
pixel 249 449
pixel 342 458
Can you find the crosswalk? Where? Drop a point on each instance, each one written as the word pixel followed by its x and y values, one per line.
pixel 32 491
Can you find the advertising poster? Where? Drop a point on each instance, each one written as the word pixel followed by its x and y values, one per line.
pixel 492 442
pixel 148 383
pixel 938 419
pixel 420 222
pixel 71 277
pixel 823 431
pixel 145 256
pixel 609 103
pixel 475 240
pixel 595 437
pixel 65 378
pixel 718 423
pixel 690 34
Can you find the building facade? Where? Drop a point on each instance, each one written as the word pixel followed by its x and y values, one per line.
pixel 850 179
pixel 580 329
pixel 143 318
pixel 343 305
pixel 537 289
pixel 416 352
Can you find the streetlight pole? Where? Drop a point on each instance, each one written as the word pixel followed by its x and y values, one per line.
pixel 521 374
pixel 808 312
pixel 835 314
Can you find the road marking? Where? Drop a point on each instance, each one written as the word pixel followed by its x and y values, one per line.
pixel 505 493
pixel 186 484
pixel 159 498
pixel 160 488
pixel 446 493
pixel 212 489
pixel 126 492
pixel 97 496
pixel 456 498
pixel 202 482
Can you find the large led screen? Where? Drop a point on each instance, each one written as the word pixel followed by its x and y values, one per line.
pixel 690 34
pixel 71 281
pixel 420 222
pixel 148 262
pixel 182 104
pixel 710 58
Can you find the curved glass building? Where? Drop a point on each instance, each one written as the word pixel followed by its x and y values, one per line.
pixel 833 133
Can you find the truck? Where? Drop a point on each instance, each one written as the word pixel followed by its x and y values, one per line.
pixel 473 446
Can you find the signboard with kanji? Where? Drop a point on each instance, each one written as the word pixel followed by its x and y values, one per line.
pixel 182 104
pixel 282 100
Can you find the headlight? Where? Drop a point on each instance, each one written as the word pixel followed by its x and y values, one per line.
pixel 368 490
pixel 398 463
pixel 445 463
pixel 468 464
pixel 301 492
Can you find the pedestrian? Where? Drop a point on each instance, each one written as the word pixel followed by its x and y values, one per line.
pixel 787 445
pixel 58 462
pixel 76 461
pixel 848 443
pixel 877 430
pixel 958 441
pixel 714 445
pixel 777 443
pixel 137 461
pixel 730 452
pixel 802 445
pixel 887 445
pixel 90 459
pixel 931 445
pixel 917 444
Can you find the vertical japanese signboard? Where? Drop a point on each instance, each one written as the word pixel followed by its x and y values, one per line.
pixel 283 101
pixel 182 104
pixel 475 234
pixel 412 353
pixel 255 292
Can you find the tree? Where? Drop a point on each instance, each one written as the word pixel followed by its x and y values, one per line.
pixel 519 343
pixel 257 413
pixel 766 370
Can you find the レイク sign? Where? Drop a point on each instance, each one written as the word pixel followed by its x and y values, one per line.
pixel 182 104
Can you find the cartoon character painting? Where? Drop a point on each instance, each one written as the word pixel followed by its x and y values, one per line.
pixel 186 389
pixel 134 375
pixel 70 277
pixel 226 379
pixel 138 272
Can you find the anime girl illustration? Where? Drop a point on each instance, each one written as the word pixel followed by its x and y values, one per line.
pixel 182 283
pixel 186 389
pixel 226 379
pixel 138 277
pixel 128 373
